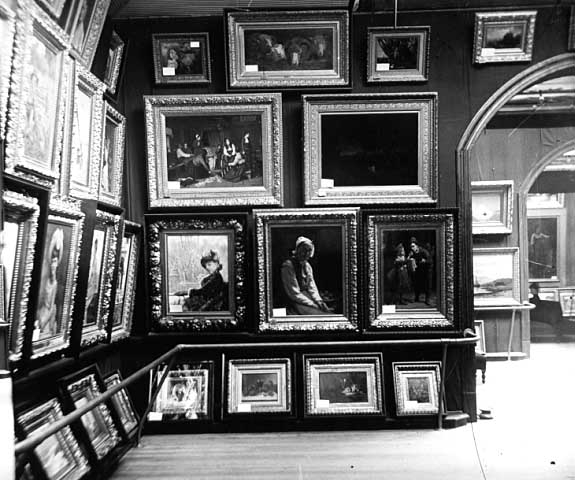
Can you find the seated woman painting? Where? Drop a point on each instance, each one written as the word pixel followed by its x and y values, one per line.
pixel 212 296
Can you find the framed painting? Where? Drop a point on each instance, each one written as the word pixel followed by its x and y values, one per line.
pixel 412 276
pixel 571 40
pixel 59 456
pixel 97 426
pixel 307 269
pixel 17 259
pixel 545 200
pixel 182 58
pixel 7 32
pixel 567 301
pixel 101 274
pixel 83 137
pixel 479 326
pixel 416 387
pixel 546 231
pixel 214 150
pixel 504 36
pixel 112 158
pixel 129 255
pixel 185 395
pixel 549 294
pixel 397 54
pixel 259 385
pixel 197 267
pixel 288 49
pixel 496 276
pixel 57 287
pixel 37 100
pixel 492 207
pixel 343 384
pixel 114 62
pixel 54 7
pixel 370 148
pixel 86 27
pixel 123 404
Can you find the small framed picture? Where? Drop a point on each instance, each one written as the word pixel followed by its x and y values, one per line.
pixel 412 276
pixel 214 150
pixel 112 158
pixel 7 32
pixel 370 148
pixel 504 36
pixel 567 301
pixel 21 214
pixel 129 255
pixel 185 395
pixel 343 384
pixel 492 207
pixel 496 276
pixel 123 404
pixel 100 276
pixel 182 58
pixel 259 385
pixel 114 62
pixel 56 292
pixel 98 425
pixel 416 387
pixel 288 49
pixel 549 294
pixel 547 234
pixel 307 269
pixel 86 27
pixel 397 54
pixel 480 332
pixel 197 268
pixel 60 455
pixel 545 200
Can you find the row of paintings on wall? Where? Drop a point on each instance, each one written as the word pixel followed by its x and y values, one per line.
pixel 45 258
pixel 335 384
pixel 80 448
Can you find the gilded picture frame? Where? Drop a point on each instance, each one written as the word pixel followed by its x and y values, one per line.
pixel 101 274
pixel 88 21
pixel 7 34
pixel 370 148
pixel 412 274
pixel 54 7
pixel 397 54
pixel 331 292
pixel 547 248
pixel 114 62
pixel 21 213
pixel 182 58
pixel 111 168
pixel 343 384
pixel 224 167
pixel 504 36
pixel 260 385
pixel 57 288
pixel 126 276
pixel 416 386
pixel 496 279
pixel 492 207
pixel 288 49
pixel 123 404
pixel 198 271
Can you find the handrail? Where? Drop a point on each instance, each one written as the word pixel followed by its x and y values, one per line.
pixel 37 438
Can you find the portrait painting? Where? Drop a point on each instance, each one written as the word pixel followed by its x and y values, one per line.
pixel 95 277
pixel 85 26
pixel 416 387
pixel 82 136
pixel 496 276
pixel 544 235
pixel 111 165
pixel 108 157
pixel 492 207
pixel 122 403
pixel 182 58
pixel 122 278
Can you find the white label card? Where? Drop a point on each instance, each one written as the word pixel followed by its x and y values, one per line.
pixel 168 71
pixel 327 183
pixel 173 185
pixel 155 416
pixel 321 403
pixel 487 51
pixel 244 407
pixel 194 44
pixel 252 68
pixel 388 309
pixel 279 312
pixel 382 67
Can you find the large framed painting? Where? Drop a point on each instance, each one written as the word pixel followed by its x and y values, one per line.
pixel 259 385
pixel 57 287
pixel 492 207
pixel 17 259
pixel 197 268
pixel 182 58
pixel 288 49
pixel 397 54
pixel 504 36
pixel 370 148
pixel 412 274
pixel 129 255
pixel 37 98
pixel 112 158
pixel 60 455
pixel 123 404
pixel 83 137
pixel 416 387
pixel 546 231
pixel 567 301
pixel 496 276
pixel 186 394
pixel 307 269
pixel 343 384
pixel 214 150
pixel 86 27
pixel 101 273
pixel 114 62
pixel 7 32
pixel 97 426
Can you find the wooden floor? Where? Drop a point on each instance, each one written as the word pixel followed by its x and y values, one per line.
pixel 532 437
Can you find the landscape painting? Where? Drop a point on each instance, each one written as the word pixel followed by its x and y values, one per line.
pixel 495 276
